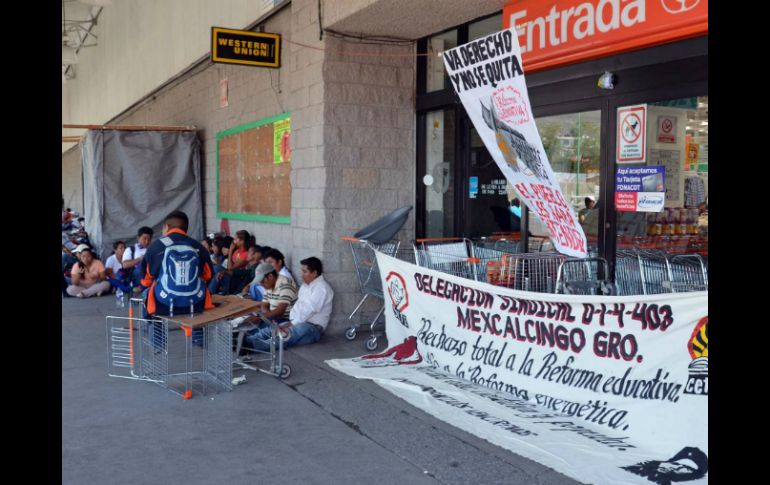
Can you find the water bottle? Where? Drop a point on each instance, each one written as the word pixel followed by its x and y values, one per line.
pixel 119 302
pixel 192 313
pixel 171 308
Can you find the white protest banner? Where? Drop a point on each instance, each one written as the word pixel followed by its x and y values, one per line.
pixel 487 74
pixel 602 389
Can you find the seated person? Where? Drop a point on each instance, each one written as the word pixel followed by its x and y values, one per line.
pixel 240 278
pixel 134 255
pixel 167 264
pixel 279 298
pixel 309 316
pixel 89 277
pixel 237 259
pixel 275 258
pixel 116 275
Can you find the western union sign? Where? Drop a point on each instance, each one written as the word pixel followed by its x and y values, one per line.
pixel 244 47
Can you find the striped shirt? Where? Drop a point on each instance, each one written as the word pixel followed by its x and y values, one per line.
pixel 284 291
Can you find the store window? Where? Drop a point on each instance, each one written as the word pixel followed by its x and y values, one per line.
pixel 438 179
pixel 485 27
pixel 677 143
pixel 573 144
pixel 437 76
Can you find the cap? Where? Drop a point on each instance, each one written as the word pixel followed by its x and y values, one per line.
pixel 81 247
pixel 262 270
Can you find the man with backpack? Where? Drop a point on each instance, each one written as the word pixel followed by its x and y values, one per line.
pixel 176 269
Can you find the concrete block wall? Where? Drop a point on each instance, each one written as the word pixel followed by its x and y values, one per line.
pixel 353 139
pixel 253 94
pixel 369 147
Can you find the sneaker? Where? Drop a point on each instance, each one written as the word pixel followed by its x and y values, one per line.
pixel 238 320
pixel 80 295
pixel 100 293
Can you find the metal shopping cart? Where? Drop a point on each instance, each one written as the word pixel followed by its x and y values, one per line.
pixel 586 276
pixel 448 255
pixel 368 273
pixel 276 367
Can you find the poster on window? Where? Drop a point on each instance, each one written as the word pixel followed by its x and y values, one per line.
pixel 640 189
pixel 488 76
pixel 605 389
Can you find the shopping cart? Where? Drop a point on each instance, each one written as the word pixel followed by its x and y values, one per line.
pixel 277 367
pixel 368 273
pixel 448 255
pixel 688 272
pixel 586 276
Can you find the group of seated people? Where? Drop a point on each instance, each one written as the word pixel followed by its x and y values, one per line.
pixel 227 266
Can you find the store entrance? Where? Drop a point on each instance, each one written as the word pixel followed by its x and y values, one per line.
pixel 487 194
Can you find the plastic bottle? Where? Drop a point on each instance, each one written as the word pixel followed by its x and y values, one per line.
pixel 119 302
pixel 171 308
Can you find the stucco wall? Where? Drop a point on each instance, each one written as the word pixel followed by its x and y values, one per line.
pixel 142 44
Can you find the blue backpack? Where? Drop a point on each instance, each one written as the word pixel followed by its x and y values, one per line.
pixel 180 283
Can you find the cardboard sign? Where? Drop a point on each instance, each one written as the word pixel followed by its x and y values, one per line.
pixel 632 134
pixel 487 75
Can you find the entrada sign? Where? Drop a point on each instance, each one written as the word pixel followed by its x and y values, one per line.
pixel 558 32
pixel 247 48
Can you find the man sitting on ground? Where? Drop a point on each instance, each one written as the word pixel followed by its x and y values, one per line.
pixel 275 258
pixel 309 316
pixel 280 295
pixel 133 256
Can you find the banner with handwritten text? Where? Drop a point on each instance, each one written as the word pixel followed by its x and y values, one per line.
pixel 602 389
pixel 488 77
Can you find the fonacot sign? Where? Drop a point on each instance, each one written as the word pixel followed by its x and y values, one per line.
pixel 247 48
pixel 567 31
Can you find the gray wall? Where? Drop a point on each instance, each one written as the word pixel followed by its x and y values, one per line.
pixel 71 179
pixel 353 139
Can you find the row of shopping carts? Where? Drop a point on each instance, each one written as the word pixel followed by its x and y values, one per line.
pixel 498 261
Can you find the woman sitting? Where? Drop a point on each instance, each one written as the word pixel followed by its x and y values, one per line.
pixel 237 258
pixel 89 276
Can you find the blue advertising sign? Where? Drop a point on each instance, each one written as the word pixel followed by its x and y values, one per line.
pixel 640 189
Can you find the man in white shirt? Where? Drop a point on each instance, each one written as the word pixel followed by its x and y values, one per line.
pixel 133 256
pixel 310 314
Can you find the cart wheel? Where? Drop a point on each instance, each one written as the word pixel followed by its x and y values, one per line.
pixel 285 371
pixel 350 334
pixel 371 343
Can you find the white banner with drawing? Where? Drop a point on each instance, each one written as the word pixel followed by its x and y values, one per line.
pixel 488 76
pixel 602 389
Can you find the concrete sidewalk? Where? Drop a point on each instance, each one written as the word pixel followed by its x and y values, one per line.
pixel 318 426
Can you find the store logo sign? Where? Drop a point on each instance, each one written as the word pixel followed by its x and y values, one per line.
pixel 245 47
pixel 679 6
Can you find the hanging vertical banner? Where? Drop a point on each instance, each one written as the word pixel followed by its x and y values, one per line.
pixel 488 77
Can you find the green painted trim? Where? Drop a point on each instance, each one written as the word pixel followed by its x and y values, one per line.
pixel 254 217
pixel 233 131
pixel 253 124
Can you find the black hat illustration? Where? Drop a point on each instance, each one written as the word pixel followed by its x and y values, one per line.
pixel 689 464
pixel 514 147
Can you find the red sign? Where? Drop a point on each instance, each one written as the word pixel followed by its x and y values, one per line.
pixel 632 124
pixel 553 33
pixel 625 201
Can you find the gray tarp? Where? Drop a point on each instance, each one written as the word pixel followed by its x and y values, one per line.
pixel 135 178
